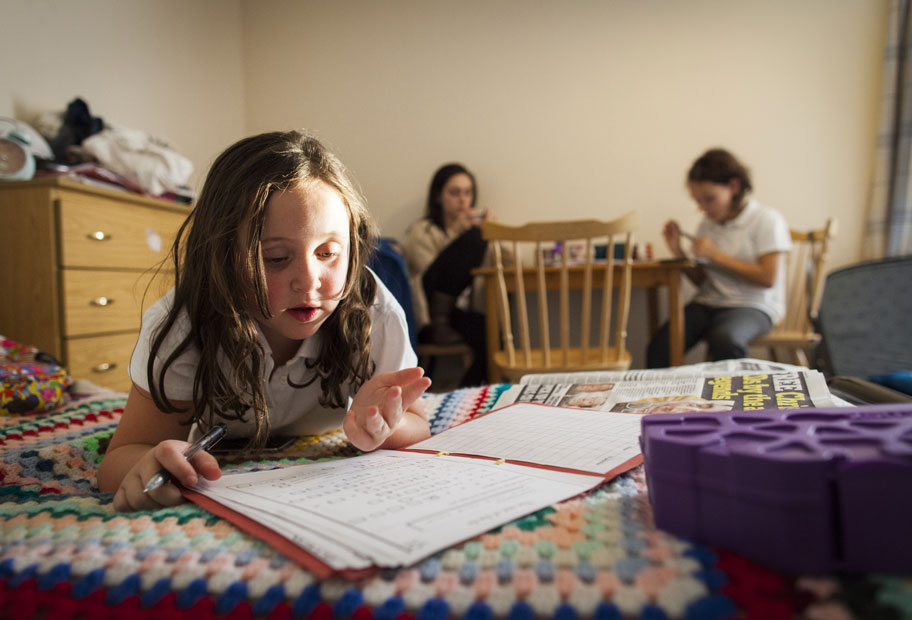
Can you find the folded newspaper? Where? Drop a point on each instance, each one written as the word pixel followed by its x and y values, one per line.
pixel 729 385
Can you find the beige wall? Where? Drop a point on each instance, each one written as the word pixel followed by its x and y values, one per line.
pixel 580 108
pixel 171 68
pixel 572 109
pixel 584 108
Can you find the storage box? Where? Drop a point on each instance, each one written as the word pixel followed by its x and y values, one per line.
pixel 802 491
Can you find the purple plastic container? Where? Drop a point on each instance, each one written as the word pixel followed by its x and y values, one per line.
pixel 803 491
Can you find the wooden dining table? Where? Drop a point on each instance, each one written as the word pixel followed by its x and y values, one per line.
pixel 650 275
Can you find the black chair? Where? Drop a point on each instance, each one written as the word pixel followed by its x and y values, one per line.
pixel 389 265
pixel 865 321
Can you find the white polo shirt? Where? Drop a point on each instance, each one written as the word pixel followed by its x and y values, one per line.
pixel 292 411
pixel 757 230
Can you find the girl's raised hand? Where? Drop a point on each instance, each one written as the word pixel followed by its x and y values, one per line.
pixel 168 454
pixel 380 405
pixel 672 234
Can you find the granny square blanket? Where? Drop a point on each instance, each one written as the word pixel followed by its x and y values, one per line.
pixel 66 553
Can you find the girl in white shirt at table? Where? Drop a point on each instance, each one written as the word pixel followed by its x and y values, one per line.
pixel 740 247
pixel 274 324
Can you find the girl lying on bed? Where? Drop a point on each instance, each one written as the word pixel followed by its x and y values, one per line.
pixel 274 326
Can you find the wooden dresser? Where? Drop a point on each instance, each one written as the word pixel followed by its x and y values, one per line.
pixel 75 263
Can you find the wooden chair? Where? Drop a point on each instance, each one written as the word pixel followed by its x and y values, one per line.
pixel 511 244
pixel 804 286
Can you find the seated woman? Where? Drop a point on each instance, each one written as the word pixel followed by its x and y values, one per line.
pixel 441 249
pixel 739 247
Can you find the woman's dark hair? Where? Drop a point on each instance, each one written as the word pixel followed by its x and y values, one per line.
pixel 719 166
pixel 220 281
pixel 434 203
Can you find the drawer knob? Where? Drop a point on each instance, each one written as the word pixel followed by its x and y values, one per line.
pixel 99 235
pixel 101 301
pixel 106 367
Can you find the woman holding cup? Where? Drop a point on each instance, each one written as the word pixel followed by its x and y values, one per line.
pixel 441 249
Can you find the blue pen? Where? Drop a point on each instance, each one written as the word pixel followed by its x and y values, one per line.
pixel 212 437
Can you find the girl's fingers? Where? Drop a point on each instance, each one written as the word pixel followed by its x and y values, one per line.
pixel 165 495
pixel 206 465
pixel 389 395
pixel 400 377
pixel 412 391
pixel 167 455
pixel 411 381
pixel 170 455
pixel 131 497
pixel 373 423
pixel 121 502
pixel 392 407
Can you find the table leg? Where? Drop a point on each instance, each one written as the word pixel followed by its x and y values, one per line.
pixel 652 302
pixel 675 321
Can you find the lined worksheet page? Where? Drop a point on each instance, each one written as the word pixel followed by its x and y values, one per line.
pixel 391 508
pixel 335 552
pixel 588 440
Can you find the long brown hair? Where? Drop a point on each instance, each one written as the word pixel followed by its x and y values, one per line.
pixel 219 276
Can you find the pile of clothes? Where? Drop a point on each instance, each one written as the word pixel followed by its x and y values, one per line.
pixel 84 144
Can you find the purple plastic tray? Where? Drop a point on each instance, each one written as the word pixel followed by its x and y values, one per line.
pixel 803 491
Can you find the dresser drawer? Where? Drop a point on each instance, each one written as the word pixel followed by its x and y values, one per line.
pixel 102 359
pixel 98 232
pixel 98 302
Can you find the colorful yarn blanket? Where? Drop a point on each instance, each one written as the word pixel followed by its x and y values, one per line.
pixel 66 553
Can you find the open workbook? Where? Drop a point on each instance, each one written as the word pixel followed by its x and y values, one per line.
pixel 393 508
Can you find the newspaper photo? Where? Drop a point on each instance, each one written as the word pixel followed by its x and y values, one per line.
pixel 730 385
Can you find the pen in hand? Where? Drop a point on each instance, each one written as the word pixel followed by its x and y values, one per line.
pixel 686 235
pixel 212 437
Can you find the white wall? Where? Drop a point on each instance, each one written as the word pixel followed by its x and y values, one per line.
pixel 168 67
pixel 582 108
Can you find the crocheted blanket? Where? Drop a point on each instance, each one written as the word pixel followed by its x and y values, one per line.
pixel 66 553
